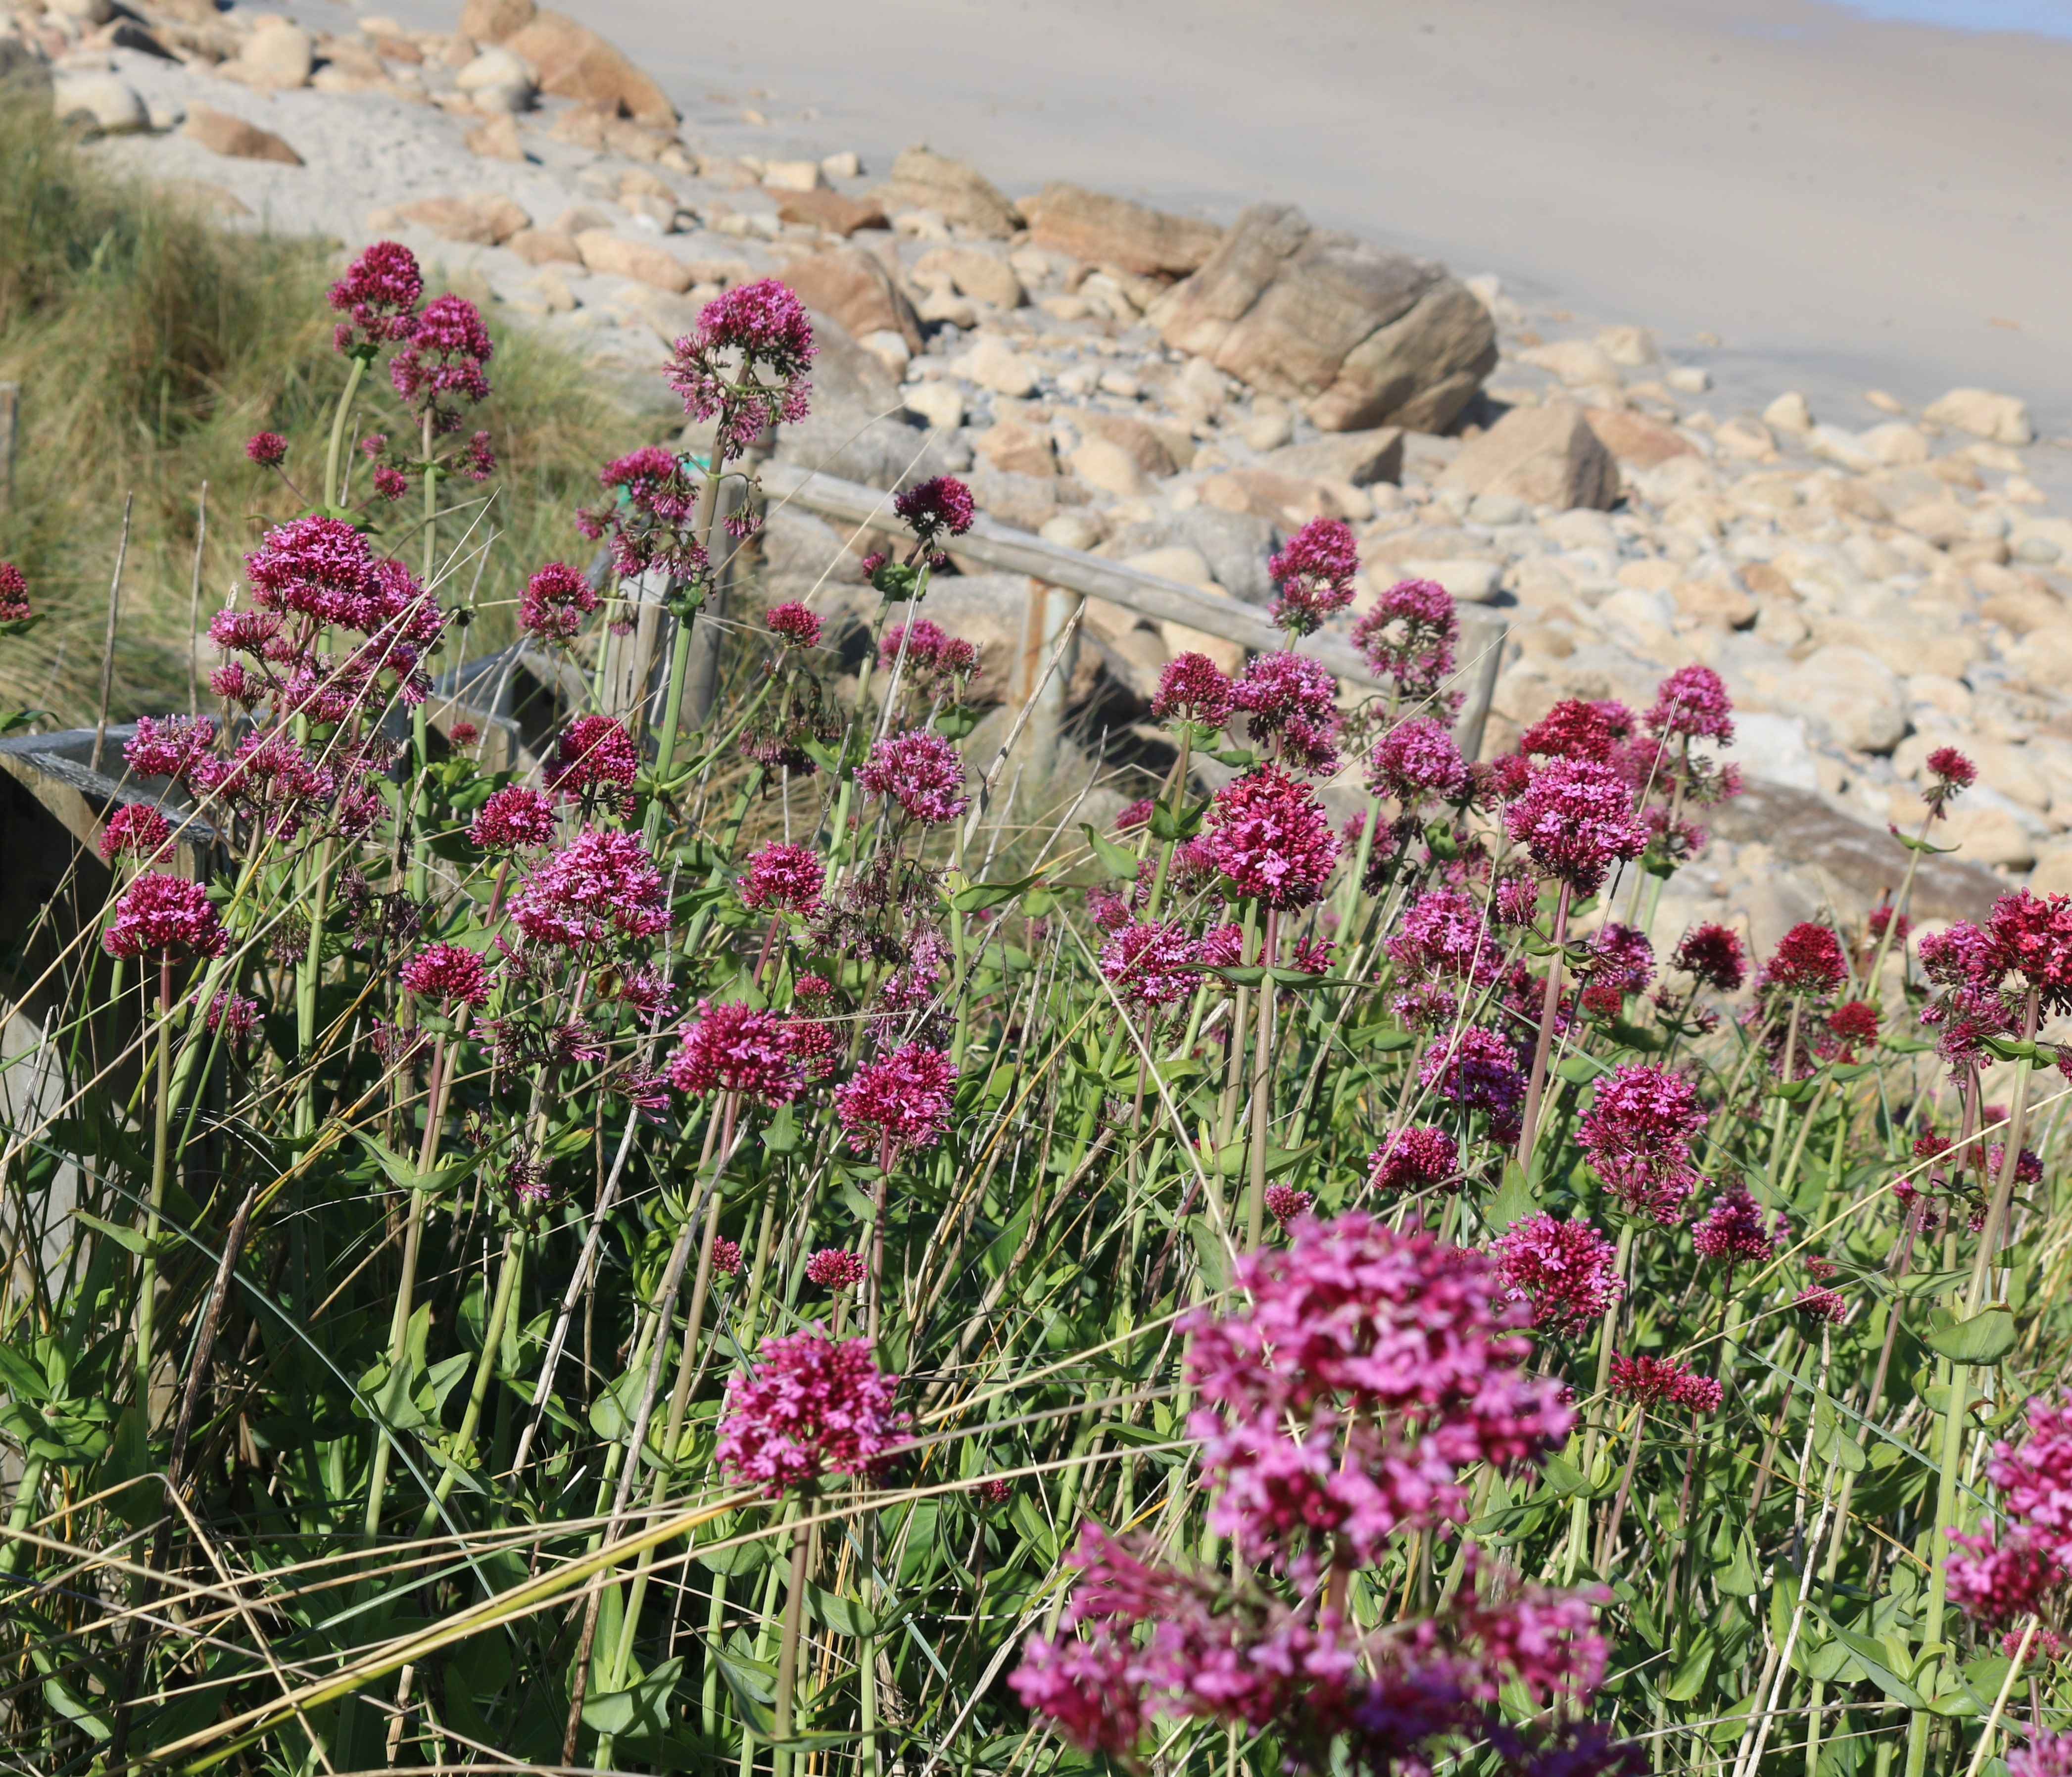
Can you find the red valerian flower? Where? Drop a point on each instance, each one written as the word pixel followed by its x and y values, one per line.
pixel 1566 1273
pixel 782 876
pixel 794 623
pixel 1808 960
pixel 1314 575
pixel 1192 688
pixel 1662 1381
pixel 1416 762
pixel 447 972
pixel 1285 1203
pixel 1270 837
pixel 2032 934
pixel 136 829
pixel 556 600
pixel 594 752
pixel 1853 1026
pixel 441 366
pixel 1621 959
pixel 1712 954
pixel 807 1407
pixel 746 362
pixel 1413 1159
pixel 935 508
pixel 268 449
pixel 1822 1304
pixel 833 1268
pixel 733 1048
pixel 378 297
pixel 900 1101
pixel 1575 818
pixel 160 915
pixel 598 886
pixel 1477 1070
pixel 921 772
pixel 1636 1136
pixel 1576 729
pixel 1692 701
pixel 1734 1230
pixel 1409 635
pixel 1291 703
pixel 512 817
pixel 1151 964
pixel 1949 774
pixel 391 484
pixel 14 595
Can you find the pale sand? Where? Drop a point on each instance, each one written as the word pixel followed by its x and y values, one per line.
pixel 1846 205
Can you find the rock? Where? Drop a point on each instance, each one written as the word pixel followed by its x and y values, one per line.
pixel 830 211
pixel 1630 346
pixel 450 219
pixel 1269 429
pixel 1744 438
pixel 1360 334
pixel 1026 502
pixel 843 165
pixel 1497 509
pixel 496 139
pixel 574 63
pixel 794 175
pixel 1789 413
pixel 1632 438
pixel 855 288
pixel 546 247
pixel 279 55
pixel 497 80
pixel 939 404
pixel 1358 459
pixel 1293 500
pixel 1545 456
pixel 1714 602
pixel 1578 363
pixel 221 134
pixel 1838 444
pixel 993 363
pixel 1112 231
pixel 1687 379
pixel 505 216
pixel 1894 443
pixel 1472 583
pixel 1987 829
pixel 2044 656
pixel 2002 418
pixel 491 21
pixel 1076 530
pixel 2053 874
pixel 87 12
pixel 1179 562
pixel 1798 827
pixel 1852 697
pixel 923 179
pixel 1019 448
pixel 1100 463
pixel 606 252
pixel 106 104
pixel 976 274
pixel 2024 606
pixel 1137 437
pixel 1773 748
pixel 1940 521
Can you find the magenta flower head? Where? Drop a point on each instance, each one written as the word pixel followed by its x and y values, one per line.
pixel 792 623
pixel 1270 838
pixel 478 457
pixel 1565 1272
pixel 512 818
pixel 833 1268
pixel 556 600
pixel 441 368
pixel 809 1406
pixel 1192 688
pixel 1413 1159
pixel 1637 1136
pixel 1149 964
pixel 1734 1231
pixel 1291 706
pixel 1477 1071
pixel 268 449
pixel 745 363
pixel 1692 701
pixel 1952 769
pixel 902 1100
pixel 14 595
pixel 447 972
pixel 165 916
pixel 2032 936
pixel 1285 1203
pixel 599 886
pixel 936 508
pixel 595 753
pixel 1808 960
pixel 1314 574
pixel 1820 1303
pixel 782 876
pixel 378 296
pixel 1575 728
pixel 135 830
pixel 1620 958
pixel 314 567
pixel 733 1048
pixel 1416 762
pixel 171 747
pixel 1397 1361
pixel 1663 1382
pixel 1713 955
pixel 2047 1755
pixel 391 484
pixel 1575 818
pixel 1409 636
pixel 921 772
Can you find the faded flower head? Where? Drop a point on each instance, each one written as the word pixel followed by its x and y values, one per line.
pixel 809 1406
pixel 1409 636
pixel 935 508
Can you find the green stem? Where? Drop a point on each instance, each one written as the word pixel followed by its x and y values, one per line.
pixel 334 493
pixel 788 1652
pixel 1262 1083
pixel 147 1281
pixel 25 1510
pixel 493 1337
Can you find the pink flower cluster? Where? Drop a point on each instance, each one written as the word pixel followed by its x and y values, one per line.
pixel 1409 635
pixel 1693 702
pixel 734 1048
pixel 159 915
pixel 652 518
pixel 378 297
pixel 1476 1071
pixel 447 972
pixel 1314 575
pixel 934 659
pixel 440 368
pixel 1413 1159
pixel 1565 1272
pixel 1662 1381
pixel 1151 964
pixel 555 601
pixel 136 829
pixel 901 1100
pixel 1270 837
pixel 936 508
pixel 595 753
pixel 1733 1230
pixel 1574 819
pixel 1575 729
pixel 1291 707
pixel 2002 1576
pixel 1398 1363
pixel 1808 960
pixel 599 886
pixel 1285 1202
pixel 782 876
pixel 1416 762
pixel 513 817
pixel 1192 688
pixel 1637 1136
pixel 793 623
pixel 745 363
pixel 807 1407
pixel 833 1268
pixel 921 772
pixel 1713 955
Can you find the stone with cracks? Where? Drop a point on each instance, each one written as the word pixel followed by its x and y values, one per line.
pixel 1545 456
pixel 923 179
pixel 1112 231
pixel 1359 334
pixel 830 211
pixel 1358 459
pixel 572 61
pixel 857 290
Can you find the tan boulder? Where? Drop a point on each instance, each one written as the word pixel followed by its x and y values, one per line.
pixel 496 139
pixel 1634 438
pixel 830 211
pixel 1270 495
pixel 277 55
pixel 221 134
pixel 1358 459
pixel 976 274
pixel 574 63
pixel 2004 419
pixel 1139 438
pixel 1112 231
pixel 1108 466
pixel 1580 363
pixel 1359 334
pixel 854 288
pixel 2043 655
pixel 1545 456
pixel 2053 874
pixel 1716 602
pixel 450 219
pixel 2028 605
pixel 923 179
pixel 546 247
pixel 1984 834
pixel 1020 449
pixel 1853 696
pixel 491 21
pixel 605 252
pixel 505 214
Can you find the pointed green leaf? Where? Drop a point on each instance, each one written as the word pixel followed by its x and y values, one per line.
pixel 1983 1340
pixel 1118 860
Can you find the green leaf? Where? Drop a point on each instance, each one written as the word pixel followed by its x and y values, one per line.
pixel 742 1558
pixel 20 1378
pixel 976 897
pixel 956 721
pixel 129 1239
pixel 1239 758
pixel 780 1135
pixel 404 1173
pixel 1167 824
pixel 1692 1670
pixel 391 1399
pixel 1877 1667
pixel 1740 1576
pixel 1931 1283
pixel 844 1616
pixel 1983 1340
pixel 1580 1070
pixel 1515 1199
pixel 1912 844
pixel 640 1708
pixel 1118 862
pixel 2011 1048
pixel 1564 1477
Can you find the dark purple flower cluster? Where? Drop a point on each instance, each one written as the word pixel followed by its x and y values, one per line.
pixel 935 509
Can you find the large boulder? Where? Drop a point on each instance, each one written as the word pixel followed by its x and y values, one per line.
pixel 571 60
pixel 856 428
pixel 855 288
pixel 1112 231
pixel 923 179
pixel 1853 696
pixel 1359 334
pixel 2003 418
pixel 221 134
pixel 1545 456
pixel 1358 459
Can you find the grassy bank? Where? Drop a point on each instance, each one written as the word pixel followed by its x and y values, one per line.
pixel 149 342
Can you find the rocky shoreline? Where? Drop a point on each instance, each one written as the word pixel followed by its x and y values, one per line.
pixel 1174 393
